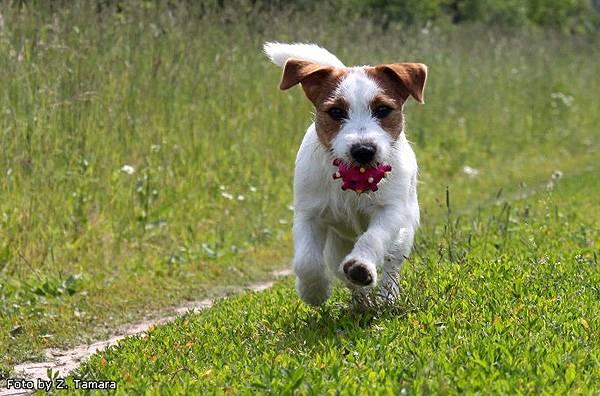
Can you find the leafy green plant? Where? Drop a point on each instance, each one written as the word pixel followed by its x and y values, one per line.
pixel 56 287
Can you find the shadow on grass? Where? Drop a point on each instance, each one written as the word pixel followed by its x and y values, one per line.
pixel 339 320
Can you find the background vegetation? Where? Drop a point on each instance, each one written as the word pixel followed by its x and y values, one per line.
pixel 567 16
pixel 147 153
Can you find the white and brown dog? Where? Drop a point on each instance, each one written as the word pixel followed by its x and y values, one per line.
pixel 357 133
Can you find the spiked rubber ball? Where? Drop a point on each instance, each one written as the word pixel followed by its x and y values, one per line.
pixel 359 178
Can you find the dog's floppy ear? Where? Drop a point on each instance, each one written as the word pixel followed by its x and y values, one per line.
pixel 313 77
pixel 411 78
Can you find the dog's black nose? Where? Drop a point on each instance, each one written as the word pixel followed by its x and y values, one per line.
pixel 363 153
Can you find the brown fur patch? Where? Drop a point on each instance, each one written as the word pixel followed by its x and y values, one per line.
pixel 327 127
pixel 318 83
pixel 393 123
pixel 402 79
pixel 398 81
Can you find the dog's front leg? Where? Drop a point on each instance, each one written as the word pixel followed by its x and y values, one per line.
pixel 360 266
pixel 313 282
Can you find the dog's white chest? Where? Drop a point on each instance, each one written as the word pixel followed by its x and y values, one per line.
pixel 348 220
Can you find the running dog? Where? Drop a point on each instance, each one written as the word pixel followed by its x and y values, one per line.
pixel 355 181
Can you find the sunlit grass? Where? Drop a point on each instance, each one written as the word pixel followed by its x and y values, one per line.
pixel 499 301
pixel 147 154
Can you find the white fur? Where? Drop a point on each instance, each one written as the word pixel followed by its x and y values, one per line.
pixel 279 53
pixel 358 90
pixel 332 226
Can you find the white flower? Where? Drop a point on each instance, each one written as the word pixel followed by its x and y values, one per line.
pixel 252 189
pixel 562 98
pixel 128 169
pixel 471 172
pixel 240 197
pixel 556 175
pixel 227 196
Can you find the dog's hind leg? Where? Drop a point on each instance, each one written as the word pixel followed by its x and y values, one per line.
pixel 389 289
pixel 313 282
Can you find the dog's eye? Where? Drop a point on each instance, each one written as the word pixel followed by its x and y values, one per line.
pixel 337 114
pixel 382 111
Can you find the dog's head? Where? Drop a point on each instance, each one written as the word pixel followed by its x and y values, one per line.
pixel 358 109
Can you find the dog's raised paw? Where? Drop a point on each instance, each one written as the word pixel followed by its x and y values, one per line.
pixel 358 273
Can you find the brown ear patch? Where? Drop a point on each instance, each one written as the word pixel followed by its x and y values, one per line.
pixel 318 81
pixel 401 79
pixel 296 71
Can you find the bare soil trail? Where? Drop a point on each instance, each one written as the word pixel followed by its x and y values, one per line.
pixel 64 361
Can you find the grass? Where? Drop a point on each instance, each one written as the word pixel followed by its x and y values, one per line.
pixel 189 104
pixel 513 310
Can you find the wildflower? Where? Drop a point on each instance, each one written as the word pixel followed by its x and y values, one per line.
pixel 556 175
pixel 227 196
pixel 559 97
pixel 471 172
pixel 240 197
pixel 128 169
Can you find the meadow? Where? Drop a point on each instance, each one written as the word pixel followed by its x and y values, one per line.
pixel 147 157
pixel 502 300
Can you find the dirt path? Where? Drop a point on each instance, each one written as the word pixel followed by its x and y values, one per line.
pixel 64 361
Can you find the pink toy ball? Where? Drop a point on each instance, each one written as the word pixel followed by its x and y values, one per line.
pixel 358 178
